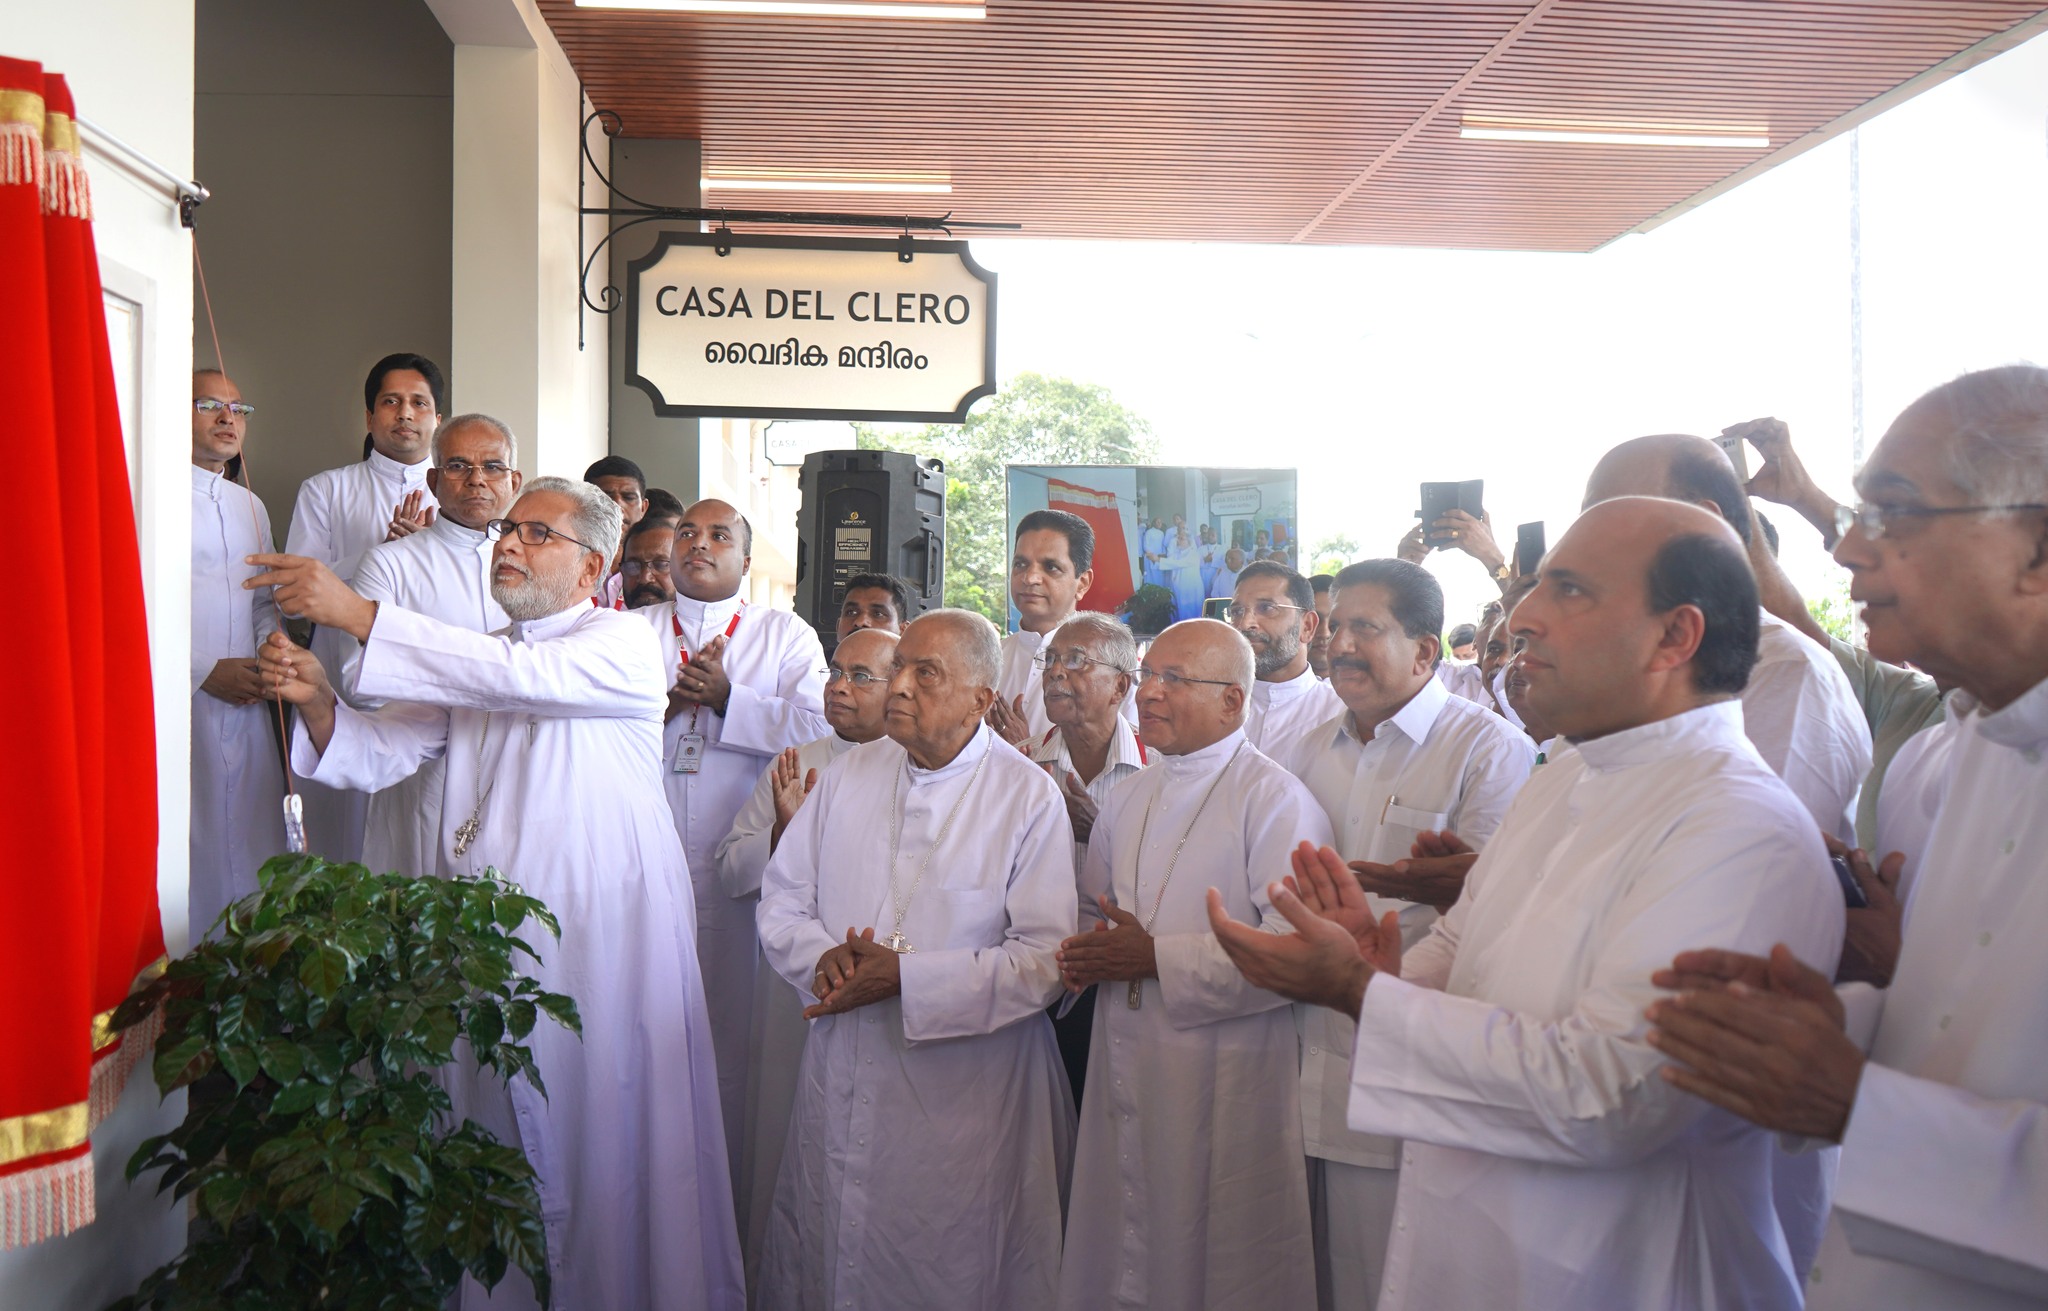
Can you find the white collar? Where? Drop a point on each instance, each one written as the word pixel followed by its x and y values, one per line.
pixel 208 481
pixel 1286 689
pixel 457 533
pixel 2022 724
pixel 558 624
pixel 1665 739
pixel 1210 759
pixel 411 475
pixel 1415 719
pixel 969 756
pixel 697 617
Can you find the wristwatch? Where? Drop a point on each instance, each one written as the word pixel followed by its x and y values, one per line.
pixel 1505 573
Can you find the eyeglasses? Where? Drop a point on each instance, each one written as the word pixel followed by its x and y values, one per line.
pixel 860 678
pixel 494 470
pixel 1073 661
pixel 1874 519
pixel 1174 682
pixel 236 408
pixel 532 532
pixel 1238 611
pixel 639 567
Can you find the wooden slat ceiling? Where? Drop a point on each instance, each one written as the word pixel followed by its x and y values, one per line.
pixel 1258 120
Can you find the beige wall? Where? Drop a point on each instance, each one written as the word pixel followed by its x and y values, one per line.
pixel 130 64
pixel 326 135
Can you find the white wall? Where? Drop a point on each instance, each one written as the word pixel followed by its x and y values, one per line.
pixel 130 65
pixel 518 108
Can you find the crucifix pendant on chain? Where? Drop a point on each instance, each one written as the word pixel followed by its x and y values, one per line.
pixel 1136 996
pixel 465 833
pixel 899 944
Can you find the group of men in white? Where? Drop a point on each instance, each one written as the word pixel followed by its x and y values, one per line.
pixel 1047 970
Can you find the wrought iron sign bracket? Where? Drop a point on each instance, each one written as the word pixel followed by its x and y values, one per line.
pixel 636 212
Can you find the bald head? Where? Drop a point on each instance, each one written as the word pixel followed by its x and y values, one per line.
pixel 1676 466
pixel 1212 668
pixel 853 707
pixel 714 546
pixel 975 651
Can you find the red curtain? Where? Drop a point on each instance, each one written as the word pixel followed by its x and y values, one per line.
pixel 78 783
pixel 1113 583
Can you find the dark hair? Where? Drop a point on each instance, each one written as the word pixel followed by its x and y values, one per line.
pixel 1462 635
pixel 898 590
pixel 1712 574
pixel 648 524
pixel 1770 533
pixel 1698 476
pixel 419 364
pixel 1413 595
pixel 662 501
pixel 1080 537
pixel 1298 591
pixel 616 466
pixel 1320 583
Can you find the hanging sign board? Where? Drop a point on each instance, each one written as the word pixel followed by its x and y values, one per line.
pixel 810 328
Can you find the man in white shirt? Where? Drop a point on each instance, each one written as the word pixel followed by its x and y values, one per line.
pixel 1050 571
pixel 932 1129
pixel 856 691
pixel 444 572
pixel 1937 1087
pixel 1546 1165
pixel 1403 760
pixel 342 513
pixel 1188 1187
pixel 1275 609
pixel 1091 665
pixel 237 778
pixel 749 682
pixel 1224 584
pixel 551 734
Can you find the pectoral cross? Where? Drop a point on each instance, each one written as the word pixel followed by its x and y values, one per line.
pixel 897 943
pixel 465 833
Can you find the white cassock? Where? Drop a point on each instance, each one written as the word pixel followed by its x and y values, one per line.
pixel 933 1131
pixel 444 573
pixel 237 778
pixel 776 1047
pixel 777 669
pixel 1021 676
pixel 1915 785
pixel 1802 715
pixel 1188 1182
pixel 1464 678
pixel 1943 1196
pixel 1281 715
pixel 1439 762
pixel 556 728
pixel 1184 571
pixel 340 514
pixel 1224 584
pixel 1547 1164
pixel 1152 542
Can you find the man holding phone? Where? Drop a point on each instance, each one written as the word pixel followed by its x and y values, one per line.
pixel 1450 527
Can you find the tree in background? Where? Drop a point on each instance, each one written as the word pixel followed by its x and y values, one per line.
pixel 1834 611
pixel 1033 420
pixel 1332 553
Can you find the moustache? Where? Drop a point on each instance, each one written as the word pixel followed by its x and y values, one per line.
pixel 1348 662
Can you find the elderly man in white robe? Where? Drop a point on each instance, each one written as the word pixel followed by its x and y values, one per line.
pixel 1799 710
pixel 237 779
pixel 1091 667
pixel 1546 1163
pixel 856 692
pixel 1188 1186
pixel 1936 1087
pixel 1051 569
pixel 342 513
pixel 747 685
pixel 919 895
pixel 1406 762
pixel 1275 608
pixel 551 734
pixel 443 572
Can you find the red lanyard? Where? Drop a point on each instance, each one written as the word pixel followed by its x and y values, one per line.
pixel 683 657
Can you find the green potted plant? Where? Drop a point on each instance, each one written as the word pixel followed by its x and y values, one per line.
pixel 314 1138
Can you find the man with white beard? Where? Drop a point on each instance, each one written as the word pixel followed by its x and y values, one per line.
pixel 748 682
pixel 552 736
pixel 1275 608
pixel 443 572
pixel 1189 1190
pixel 342 513
pixel 856 689
pixel 237 781
pixel 932 1128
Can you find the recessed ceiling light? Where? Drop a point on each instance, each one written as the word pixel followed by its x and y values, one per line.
pixel 1595 132
pixel 767 179
pixel 804 8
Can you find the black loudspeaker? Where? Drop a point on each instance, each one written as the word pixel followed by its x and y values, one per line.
pixel 868 512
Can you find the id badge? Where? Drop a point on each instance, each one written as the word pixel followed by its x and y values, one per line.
pixel 689 753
